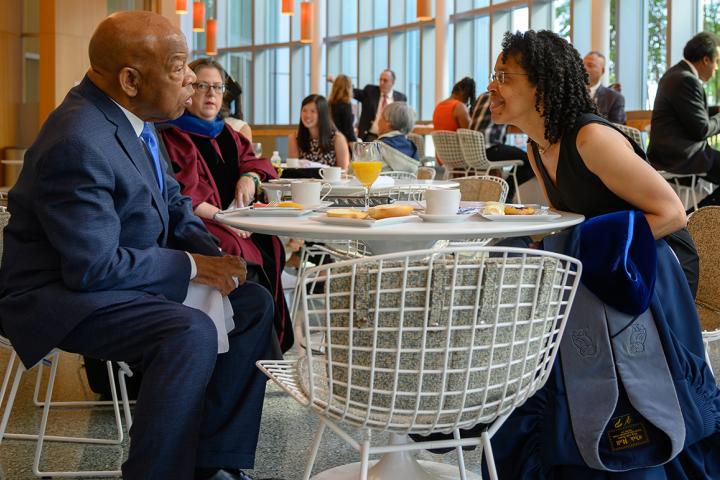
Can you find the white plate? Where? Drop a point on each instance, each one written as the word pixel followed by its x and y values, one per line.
pixel 541 216
pixel 267 212
pixel 457 218
pixel 342 181
pixel 367 223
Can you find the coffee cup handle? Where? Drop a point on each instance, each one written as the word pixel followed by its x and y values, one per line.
pixel 329 187
pixel 321 172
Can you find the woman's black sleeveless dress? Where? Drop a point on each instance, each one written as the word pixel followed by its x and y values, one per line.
pixel 578 190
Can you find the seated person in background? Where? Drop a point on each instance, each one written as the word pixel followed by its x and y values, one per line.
pixel 102 248
pixel 317 139
pixel 397 151
pixel 495 136
pixel 341 108
pixel 681 121
pixel 452 113
pixel 610 102
pixel 232 108
pixel 216 167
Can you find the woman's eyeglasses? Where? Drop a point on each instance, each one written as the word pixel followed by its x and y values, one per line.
pixel 204 87
pixel 500 76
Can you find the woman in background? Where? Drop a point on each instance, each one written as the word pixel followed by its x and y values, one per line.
pixel 216 168
pixel 317 139
pixel 452 113
pixel 341 108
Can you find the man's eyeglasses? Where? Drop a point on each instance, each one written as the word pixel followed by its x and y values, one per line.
pixel 204 87
pixel 500 76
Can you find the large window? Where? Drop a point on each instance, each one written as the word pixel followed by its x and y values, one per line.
pixel 711 23
pixel 386 35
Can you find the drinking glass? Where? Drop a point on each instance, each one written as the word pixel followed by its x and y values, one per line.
pixel 366 165
pixel 257 148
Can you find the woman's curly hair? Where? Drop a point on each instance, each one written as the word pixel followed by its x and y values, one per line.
pixel 555 68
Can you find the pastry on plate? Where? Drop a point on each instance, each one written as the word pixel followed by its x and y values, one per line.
pixel 346 213
pixel 519 210
pixel 493 208
pixel 389 211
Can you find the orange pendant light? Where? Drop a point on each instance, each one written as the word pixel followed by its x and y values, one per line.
pixel 198 16
pixel 211 37
pixel 288 7
pixel 424 10
pixel 181 7
pixel 306 22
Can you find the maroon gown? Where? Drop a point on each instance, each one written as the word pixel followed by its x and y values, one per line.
pixel 208 169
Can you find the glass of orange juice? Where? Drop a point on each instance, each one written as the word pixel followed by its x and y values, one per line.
pixel 366 165
pixel 367 173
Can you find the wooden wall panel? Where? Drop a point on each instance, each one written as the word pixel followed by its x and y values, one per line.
pixel 10 79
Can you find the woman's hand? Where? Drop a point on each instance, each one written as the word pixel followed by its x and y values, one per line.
pixel 240 233
pixel 244 191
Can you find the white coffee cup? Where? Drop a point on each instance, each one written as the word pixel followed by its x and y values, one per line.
pixel 331 174
pixel 307 193
pixel 443 201
pixel 293 163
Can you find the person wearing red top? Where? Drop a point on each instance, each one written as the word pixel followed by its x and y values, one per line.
pixel 452 113
pixel 216 167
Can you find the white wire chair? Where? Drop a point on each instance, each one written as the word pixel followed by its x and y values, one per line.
pixel 447 147
pixel 679 182
pixel 51 361
pixel 427 341
pixel 704 226
pixel 419 142
pixel 397 175
pixel 633 133
pixel 472 144
pixel 483 188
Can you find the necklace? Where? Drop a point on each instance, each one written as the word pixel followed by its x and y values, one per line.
pixel 544 149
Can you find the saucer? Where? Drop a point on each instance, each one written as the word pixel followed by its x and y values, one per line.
pixel 456 218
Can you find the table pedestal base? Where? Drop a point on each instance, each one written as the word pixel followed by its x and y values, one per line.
pixel 395 466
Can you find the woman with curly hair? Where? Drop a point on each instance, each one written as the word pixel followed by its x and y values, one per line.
pixel 585 165
pixel 453 112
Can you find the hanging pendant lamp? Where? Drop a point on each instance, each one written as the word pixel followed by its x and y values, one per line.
pixel 306 22
pixel 181 7
pixel 288 7
pixel 424 10
pixel 198 16
pixel 211 37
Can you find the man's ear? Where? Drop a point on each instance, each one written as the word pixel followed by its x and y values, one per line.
pixel 129 79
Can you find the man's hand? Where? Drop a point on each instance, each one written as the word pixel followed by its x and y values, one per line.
pixel 218 272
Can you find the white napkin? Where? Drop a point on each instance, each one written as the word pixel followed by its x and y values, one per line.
pixel 383 181
pixel 216 306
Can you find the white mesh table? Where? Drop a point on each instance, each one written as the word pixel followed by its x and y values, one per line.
pixel 353 187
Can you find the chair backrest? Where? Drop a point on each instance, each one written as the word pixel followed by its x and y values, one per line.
pixel 704 226
pixel 631 132
pixel 483 188
pixel 419 142
pixel 3 199
pixel 397 175
pixel 434 340
pixel 472 144
pixel 447 147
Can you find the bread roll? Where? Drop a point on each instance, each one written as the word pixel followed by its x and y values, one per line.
pixel 510 210
pixel 346 213
pixel 389 211
pixel 493 208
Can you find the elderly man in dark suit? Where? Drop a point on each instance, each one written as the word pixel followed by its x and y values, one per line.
pixel 101 248
pixel 610 103
pixel 681 121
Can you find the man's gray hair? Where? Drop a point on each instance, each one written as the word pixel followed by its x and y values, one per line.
pixel 400 116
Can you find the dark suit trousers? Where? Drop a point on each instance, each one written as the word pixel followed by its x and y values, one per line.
pixel 195 408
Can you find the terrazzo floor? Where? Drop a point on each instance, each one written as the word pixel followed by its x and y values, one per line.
pixel 287 431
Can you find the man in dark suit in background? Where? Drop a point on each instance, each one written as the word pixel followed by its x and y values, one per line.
pixel 100 251
pixel 681 122
pixel 373 99
pixel 610 103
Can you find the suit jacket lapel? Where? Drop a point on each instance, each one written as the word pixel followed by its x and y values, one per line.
pixel 129 142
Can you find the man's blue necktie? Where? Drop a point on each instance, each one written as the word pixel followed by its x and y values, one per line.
pixel 151 145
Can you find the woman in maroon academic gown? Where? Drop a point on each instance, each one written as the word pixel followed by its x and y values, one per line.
pixel 216 167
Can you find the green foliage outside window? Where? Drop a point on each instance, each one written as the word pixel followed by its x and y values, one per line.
pixel 711 23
